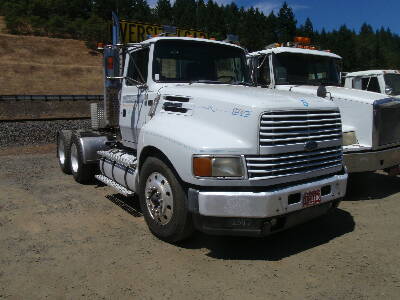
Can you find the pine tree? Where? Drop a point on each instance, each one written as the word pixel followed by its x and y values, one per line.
pixel 286 28
pixel 163 12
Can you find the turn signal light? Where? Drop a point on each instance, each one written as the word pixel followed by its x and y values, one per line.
pixel 202 166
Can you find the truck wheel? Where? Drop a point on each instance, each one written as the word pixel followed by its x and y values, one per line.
pixel 64 150
pixel 163 202
pixel 83 173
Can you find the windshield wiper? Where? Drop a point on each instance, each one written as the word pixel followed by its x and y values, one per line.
pixel 205 81
pixel 296 82
pixel 241 83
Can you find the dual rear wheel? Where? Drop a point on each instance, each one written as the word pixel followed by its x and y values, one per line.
pixel 70 157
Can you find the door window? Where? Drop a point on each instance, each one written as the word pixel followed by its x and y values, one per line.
pixel 264 78
pixel 357 83
pixel 137 68
pixel 371 84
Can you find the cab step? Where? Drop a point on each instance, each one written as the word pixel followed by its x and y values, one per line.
pixel 122 190
pixel 120 157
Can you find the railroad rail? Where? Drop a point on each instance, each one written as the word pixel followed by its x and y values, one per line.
pixel 51 97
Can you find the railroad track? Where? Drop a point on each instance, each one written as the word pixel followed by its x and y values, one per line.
pixel 43 119
pixel 45 107
pixel 51 97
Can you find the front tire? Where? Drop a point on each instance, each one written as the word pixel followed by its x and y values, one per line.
pixel 83 173
pixel 164 202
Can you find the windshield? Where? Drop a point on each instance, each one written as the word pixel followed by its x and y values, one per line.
pixel 189 61
pixel 294 68
pixel 393 81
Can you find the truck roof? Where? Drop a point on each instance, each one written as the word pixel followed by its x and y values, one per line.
pixel 295 50
pixel 156 39
pixel 371 72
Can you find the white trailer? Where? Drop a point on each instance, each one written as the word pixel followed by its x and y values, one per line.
pixel 181 128
pixel 371 121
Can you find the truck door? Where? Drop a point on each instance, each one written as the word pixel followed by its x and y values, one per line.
pixel 134 94
pixel 264 74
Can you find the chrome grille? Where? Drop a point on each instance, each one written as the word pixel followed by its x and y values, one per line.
pixel 278 128
pixel 295 163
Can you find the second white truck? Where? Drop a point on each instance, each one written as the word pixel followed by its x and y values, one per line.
pixel 371 121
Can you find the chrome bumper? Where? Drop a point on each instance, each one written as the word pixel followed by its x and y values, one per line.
pixel 371 161
pixel 261 204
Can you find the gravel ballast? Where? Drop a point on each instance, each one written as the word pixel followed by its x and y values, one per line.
pixel 23 133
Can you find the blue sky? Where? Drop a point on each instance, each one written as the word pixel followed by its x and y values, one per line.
pixel 330 14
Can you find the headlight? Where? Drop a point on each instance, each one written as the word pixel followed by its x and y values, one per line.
pixel 211 166
pixel 349 138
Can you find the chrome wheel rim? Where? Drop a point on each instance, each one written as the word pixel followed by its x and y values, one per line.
pixel 74 158
pixel 61 153
pixel 159 198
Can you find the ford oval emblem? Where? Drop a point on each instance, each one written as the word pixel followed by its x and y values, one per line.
pixel 311 145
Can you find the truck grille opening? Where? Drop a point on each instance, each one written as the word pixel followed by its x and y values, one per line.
pixel 387 123
pixel 294 163
pixel 279 128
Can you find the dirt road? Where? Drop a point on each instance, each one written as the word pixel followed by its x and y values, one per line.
pixel 61 240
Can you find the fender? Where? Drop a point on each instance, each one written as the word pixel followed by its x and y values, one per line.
pixel 90 146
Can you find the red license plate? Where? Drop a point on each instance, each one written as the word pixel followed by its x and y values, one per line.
pixel 312 198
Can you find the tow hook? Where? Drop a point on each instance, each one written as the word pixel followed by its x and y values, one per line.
pixel 393 171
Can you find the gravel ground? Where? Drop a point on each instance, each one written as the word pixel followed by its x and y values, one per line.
pixel 36 132
pixel 62 240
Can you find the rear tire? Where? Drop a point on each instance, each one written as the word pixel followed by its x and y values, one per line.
pixel 83 173
pixel 164 202
pixel 64 150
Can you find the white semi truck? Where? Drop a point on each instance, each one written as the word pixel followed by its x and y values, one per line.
pixel 379 81
pixel 181 128
pixel 371 121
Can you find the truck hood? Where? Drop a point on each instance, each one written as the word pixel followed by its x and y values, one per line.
pixel 253 97
pixel 336 92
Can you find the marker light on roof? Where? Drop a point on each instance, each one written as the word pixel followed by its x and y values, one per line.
pixel 302 40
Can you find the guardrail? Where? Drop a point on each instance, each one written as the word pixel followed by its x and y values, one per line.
pixel 51 97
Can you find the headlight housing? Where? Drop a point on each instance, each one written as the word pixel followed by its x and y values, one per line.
pixel 349 138
pixel 218 166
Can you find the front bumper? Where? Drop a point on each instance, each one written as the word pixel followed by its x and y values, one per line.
pixel 372 160
pixel 262 213
pixel 249 207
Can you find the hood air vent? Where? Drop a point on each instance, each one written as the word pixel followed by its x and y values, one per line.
pixel 176 98
pixel 174 107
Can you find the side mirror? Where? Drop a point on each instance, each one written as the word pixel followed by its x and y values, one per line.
pixel 111 64
pixel 321 91
pixel 388 90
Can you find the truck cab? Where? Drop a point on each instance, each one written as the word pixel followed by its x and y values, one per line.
pixel 386 82
pixel 182 128
pixel 371 123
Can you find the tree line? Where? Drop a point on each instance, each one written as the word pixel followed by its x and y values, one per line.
pixel 89 20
